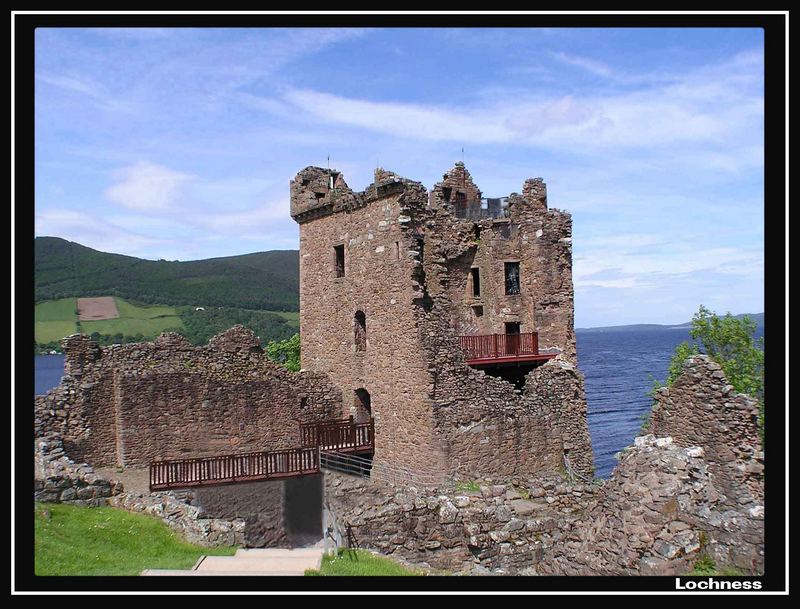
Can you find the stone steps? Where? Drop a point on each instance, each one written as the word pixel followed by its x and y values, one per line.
pixel 256 561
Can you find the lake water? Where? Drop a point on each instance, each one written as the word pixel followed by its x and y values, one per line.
pixel 618 366
pixel 48 370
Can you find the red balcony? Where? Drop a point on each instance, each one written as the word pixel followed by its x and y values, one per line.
pixel 502 348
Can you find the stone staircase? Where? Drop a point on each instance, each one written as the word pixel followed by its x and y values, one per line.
pixel 254 561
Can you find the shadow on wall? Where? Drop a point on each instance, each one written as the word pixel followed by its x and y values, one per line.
pixel 277 513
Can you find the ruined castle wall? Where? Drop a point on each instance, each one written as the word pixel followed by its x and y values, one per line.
pixel 541 242
pixel 702 409
pixel 379 258
pixel 496 528
pixel 165 400
pixel 457 189
pixel 260 504
pixel 657 515
pixel 432 411
pixel 488 427
pixel 538 238
pixel 492 429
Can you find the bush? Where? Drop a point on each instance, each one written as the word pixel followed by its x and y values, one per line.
pixel 285 352
pixel 728 341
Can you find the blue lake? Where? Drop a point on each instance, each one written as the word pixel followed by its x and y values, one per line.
pixel 48 370
pixel 618 366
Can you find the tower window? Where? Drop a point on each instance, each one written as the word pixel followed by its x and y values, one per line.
pixel 476 282
pixel 512 278
pixel 360 331
pixel 338 253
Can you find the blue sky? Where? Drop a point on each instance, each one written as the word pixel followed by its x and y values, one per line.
pixel 180 144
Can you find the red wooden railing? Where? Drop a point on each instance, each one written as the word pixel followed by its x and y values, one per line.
pixel 224 469
pixel 490 346
pixel 337 436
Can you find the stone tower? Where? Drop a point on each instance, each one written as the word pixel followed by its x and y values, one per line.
pixel 393 277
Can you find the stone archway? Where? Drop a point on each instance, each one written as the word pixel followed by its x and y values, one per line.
pixel 362 406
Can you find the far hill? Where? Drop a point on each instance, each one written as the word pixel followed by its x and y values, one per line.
pixel 756 317
pixel 261 281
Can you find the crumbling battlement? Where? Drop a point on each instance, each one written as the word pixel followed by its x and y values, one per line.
pixel 387 286
pixel 127 405
pixel 702 409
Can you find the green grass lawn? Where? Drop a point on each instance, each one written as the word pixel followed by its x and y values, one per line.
pixel 72 540
pixel 361 562
pixel 55 319
pixel 147 320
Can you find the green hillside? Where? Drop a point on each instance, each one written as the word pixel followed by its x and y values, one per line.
pixel 260 281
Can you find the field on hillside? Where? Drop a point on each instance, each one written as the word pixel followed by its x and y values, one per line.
pixel 55 319
pixel 147 320
pixel 138 321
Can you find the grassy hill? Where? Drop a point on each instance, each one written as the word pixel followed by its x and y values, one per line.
pixel 198 298
pixel 260 281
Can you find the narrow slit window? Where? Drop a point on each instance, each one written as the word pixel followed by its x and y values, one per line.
pixel 338 252
pixel 476 282
pixel 360 331
pixel 512 278
pixel 397 250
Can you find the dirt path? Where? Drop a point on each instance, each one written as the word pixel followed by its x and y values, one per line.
pixel 133 479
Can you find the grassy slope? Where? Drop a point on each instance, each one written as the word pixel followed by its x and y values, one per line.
pixel 55 319
pixel 365 563
pixel 148 320
pixel 107 541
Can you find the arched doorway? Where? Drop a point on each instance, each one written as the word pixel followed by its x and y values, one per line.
pixel 362 406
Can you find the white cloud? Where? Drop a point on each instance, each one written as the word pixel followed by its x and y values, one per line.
pixel 93 231
pixel 248 223
pixel 590 65
pixel 87 87
pixel 148 187
pixel 403 120
pixel 717 108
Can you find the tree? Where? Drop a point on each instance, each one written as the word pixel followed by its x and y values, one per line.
pixel 730 343
pixel 285 352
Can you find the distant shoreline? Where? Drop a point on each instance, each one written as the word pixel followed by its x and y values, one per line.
pixel 757 317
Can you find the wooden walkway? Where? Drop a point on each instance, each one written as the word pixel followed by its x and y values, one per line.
pixel 339 436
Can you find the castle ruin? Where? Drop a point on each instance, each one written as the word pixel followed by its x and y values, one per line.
pixel 446 316
pixel 439 324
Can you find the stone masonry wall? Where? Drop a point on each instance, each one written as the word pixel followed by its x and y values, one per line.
pixel 702 409
pixel 131 404
pixel 58 479
pixel 379 257
pixel 259 504
pixel 659 513
pixel 499 528
pixel 176 509
pixel 405 269
pixel 540 240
